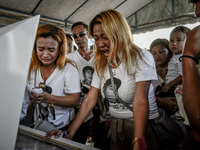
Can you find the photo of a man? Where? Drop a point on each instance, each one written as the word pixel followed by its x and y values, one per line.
pixel 87 74
pixel 108 89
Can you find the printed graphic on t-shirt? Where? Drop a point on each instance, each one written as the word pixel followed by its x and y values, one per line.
pixel 109 94
pixel 44 108
pixel 86 83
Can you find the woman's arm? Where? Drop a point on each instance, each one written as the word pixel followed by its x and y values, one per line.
pixel 168 103
pixel 71 100
pixel 86 106
pixel 140 109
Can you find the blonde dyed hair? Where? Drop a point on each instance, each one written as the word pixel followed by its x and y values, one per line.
pixel 118 32
pixel 56 33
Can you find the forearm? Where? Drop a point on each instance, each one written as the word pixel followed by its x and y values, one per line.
pixel 140 115
pixel 141 108
pixel 161 101
pixel 191 94
pixel 86 107
pixel 71 100
pixel 176 81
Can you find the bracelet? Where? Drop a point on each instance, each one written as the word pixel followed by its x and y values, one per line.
pixel 134 140
pixel 138 139
pixel 188 56
pixel 53 102
pixel 65 133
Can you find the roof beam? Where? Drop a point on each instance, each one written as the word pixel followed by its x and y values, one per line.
pixel 121 4
pixel 36 6
pixel 76 10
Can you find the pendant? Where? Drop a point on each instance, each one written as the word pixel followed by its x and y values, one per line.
pixel 114 73
pixel 42 85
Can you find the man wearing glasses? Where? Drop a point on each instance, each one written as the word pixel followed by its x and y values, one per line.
pixel 83 57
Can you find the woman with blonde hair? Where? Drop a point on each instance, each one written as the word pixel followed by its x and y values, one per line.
pixel 53 85
pixel 133 102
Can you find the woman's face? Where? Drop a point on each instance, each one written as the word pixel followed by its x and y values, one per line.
pixel 160 55
pixel 101 41
pixel 47 50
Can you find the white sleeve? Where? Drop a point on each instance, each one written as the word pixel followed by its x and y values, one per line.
pixel 146 69
pixel 96 82
pixel 180 68
pixel 72 80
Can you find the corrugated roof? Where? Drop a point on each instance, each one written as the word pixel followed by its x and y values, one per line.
pixel 142 15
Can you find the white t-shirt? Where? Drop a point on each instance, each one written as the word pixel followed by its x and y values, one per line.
pixel 62 82
pixel 83 65
pixel 158 82
pixel 174 68
pixel 126 86
pixel 85 69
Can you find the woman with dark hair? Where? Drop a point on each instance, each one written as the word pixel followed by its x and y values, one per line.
pixel 159 48
pixel 55 76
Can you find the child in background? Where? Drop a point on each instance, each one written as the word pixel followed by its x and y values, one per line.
pixel 176 45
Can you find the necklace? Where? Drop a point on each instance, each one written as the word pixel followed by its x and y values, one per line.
pixel 114 72
pixel 43 77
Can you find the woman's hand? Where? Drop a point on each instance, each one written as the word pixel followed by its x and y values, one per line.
pixel 42 97
pixel 166 88
pixel 57 134
pixel 168 103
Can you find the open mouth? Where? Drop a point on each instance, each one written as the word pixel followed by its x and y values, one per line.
pixel 158 60
pixel 105 52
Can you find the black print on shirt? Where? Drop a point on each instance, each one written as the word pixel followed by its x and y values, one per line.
pixel 44 108
pixel 108 89
pixel 86 83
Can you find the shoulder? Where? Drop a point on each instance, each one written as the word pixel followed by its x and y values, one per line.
pixel 70 65
pixel 145 53
pixel 174 58
pixel 146 56
pixel 72 54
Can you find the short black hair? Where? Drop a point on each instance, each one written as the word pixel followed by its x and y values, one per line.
pixel 159 41
pixel 69 36
pixel 88 68
pixel 80 23
pixel 117 82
